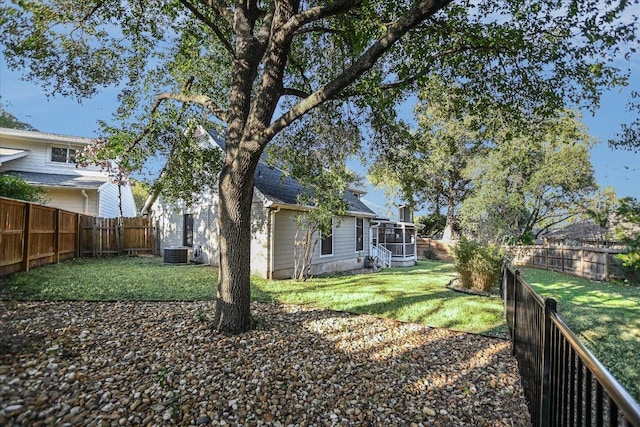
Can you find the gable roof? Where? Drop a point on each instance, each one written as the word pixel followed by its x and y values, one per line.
pixel 44 137
pixel 280 189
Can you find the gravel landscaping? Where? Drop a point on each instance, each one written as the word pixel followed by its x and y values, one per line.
pixel 159 363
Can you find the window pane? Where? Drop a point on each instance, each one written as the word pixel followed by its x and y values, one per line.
pixel 58 154
pixel 359 234
pixel 187 237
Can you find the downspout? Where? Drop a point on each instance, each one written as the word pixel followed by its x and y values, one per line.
pixel 86 201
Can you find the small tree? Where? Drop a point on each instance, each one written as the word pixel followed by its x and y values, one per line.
pixel 15 187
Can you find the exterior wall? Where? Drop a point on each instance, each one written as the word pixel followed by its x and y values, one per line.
pixel 38 159
pixel 344 255
pixel 260 242
pixel 73 200
pixel 168 219
pixel 110 201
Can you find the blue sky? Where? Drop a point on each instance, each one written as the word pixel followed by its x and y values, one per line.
pixel 617 168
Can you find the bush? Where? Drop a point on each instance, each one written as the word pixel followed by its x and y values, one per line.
pixel 15 187
pixel 479 266
pixel 463 254
pixel 430 254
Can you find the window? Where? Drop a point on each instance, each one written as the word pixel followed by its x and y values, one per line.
pixel 405 214
pixel 326 243
pixel 63 155
pixel 359 234
pixel 187 230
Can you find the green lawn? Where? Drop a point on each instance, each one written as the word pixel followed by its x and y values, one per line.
pixel 113 279
pixel 605 316
pixel 415 294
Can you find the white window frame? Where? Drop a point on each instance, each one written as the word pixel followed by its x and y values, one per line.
pixel 63 147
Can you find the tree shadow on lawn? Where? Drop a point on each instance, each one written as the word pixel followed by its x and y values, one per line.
pixel 444 309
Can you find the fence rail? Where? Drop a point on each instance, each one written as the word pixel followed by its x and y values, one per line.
pixel 564 383
pixel 582 261
pixel 32 235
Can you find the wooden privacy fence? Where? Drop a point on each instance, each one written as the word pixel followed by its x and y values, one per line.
pixel 32 235
pixel 588 262
pixel 565 385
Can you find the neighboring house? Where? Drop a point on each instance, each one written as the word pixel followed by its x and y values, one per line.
pixel 588 233
pixel 48 161
pixel 274 210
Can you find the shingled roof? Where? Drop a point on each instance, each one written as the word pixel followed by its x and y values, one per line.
pixel 57 180
pixel 280 189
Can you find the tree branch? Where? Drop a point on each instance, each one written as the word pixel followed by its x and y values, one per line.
pixel 367 60
pixel 221 9
pixel 202 100
pixel 319 12
pixel 221 37
pixel 295 92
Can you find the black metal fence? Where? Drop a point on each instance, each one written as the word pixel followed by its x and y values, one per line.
pixel 564 383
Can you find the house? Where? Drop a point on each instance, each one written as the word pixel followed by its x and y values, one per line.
pixel 274 211
pixel 588 233
pixel 48 161
pixel 398 236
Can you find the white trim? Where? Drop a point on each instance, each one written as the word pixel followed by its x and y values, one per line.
pixel 49 160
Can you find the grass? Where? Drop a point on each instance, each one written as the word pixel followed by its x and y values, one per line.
pixel 416 294
pixel 605 316
pixel 113 279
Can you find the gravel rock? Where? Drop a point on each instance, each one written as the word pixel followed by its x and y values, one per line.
pixel 159 363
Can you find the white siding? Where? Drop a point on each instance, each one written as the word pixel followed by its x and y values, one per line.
pixel 38 159
pixel 168 218
pixel 73 200
pixel 110 201
pixel 260 223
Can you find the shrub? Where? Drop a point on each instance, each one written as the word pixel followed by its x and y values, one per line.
pixel 430 254
pixel 486 266
pixel 629 211
pixel 463 254
pixel 15 187
pixel 479 266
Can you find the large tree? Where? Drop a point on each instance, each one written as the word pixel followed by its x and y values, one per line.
pixel 427 166
pixel 530 181
pixel 8 120
pixel 258 66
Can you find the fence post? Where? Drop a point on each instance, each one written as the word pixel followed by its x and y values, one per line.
pixel 514 333
pixel 550 306
pixel 26 237
pixel 56 237
pixel 78 237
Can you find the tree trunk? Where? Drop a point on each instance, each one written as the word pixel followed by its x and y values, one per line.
pixel 447 234
pixel 232 311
